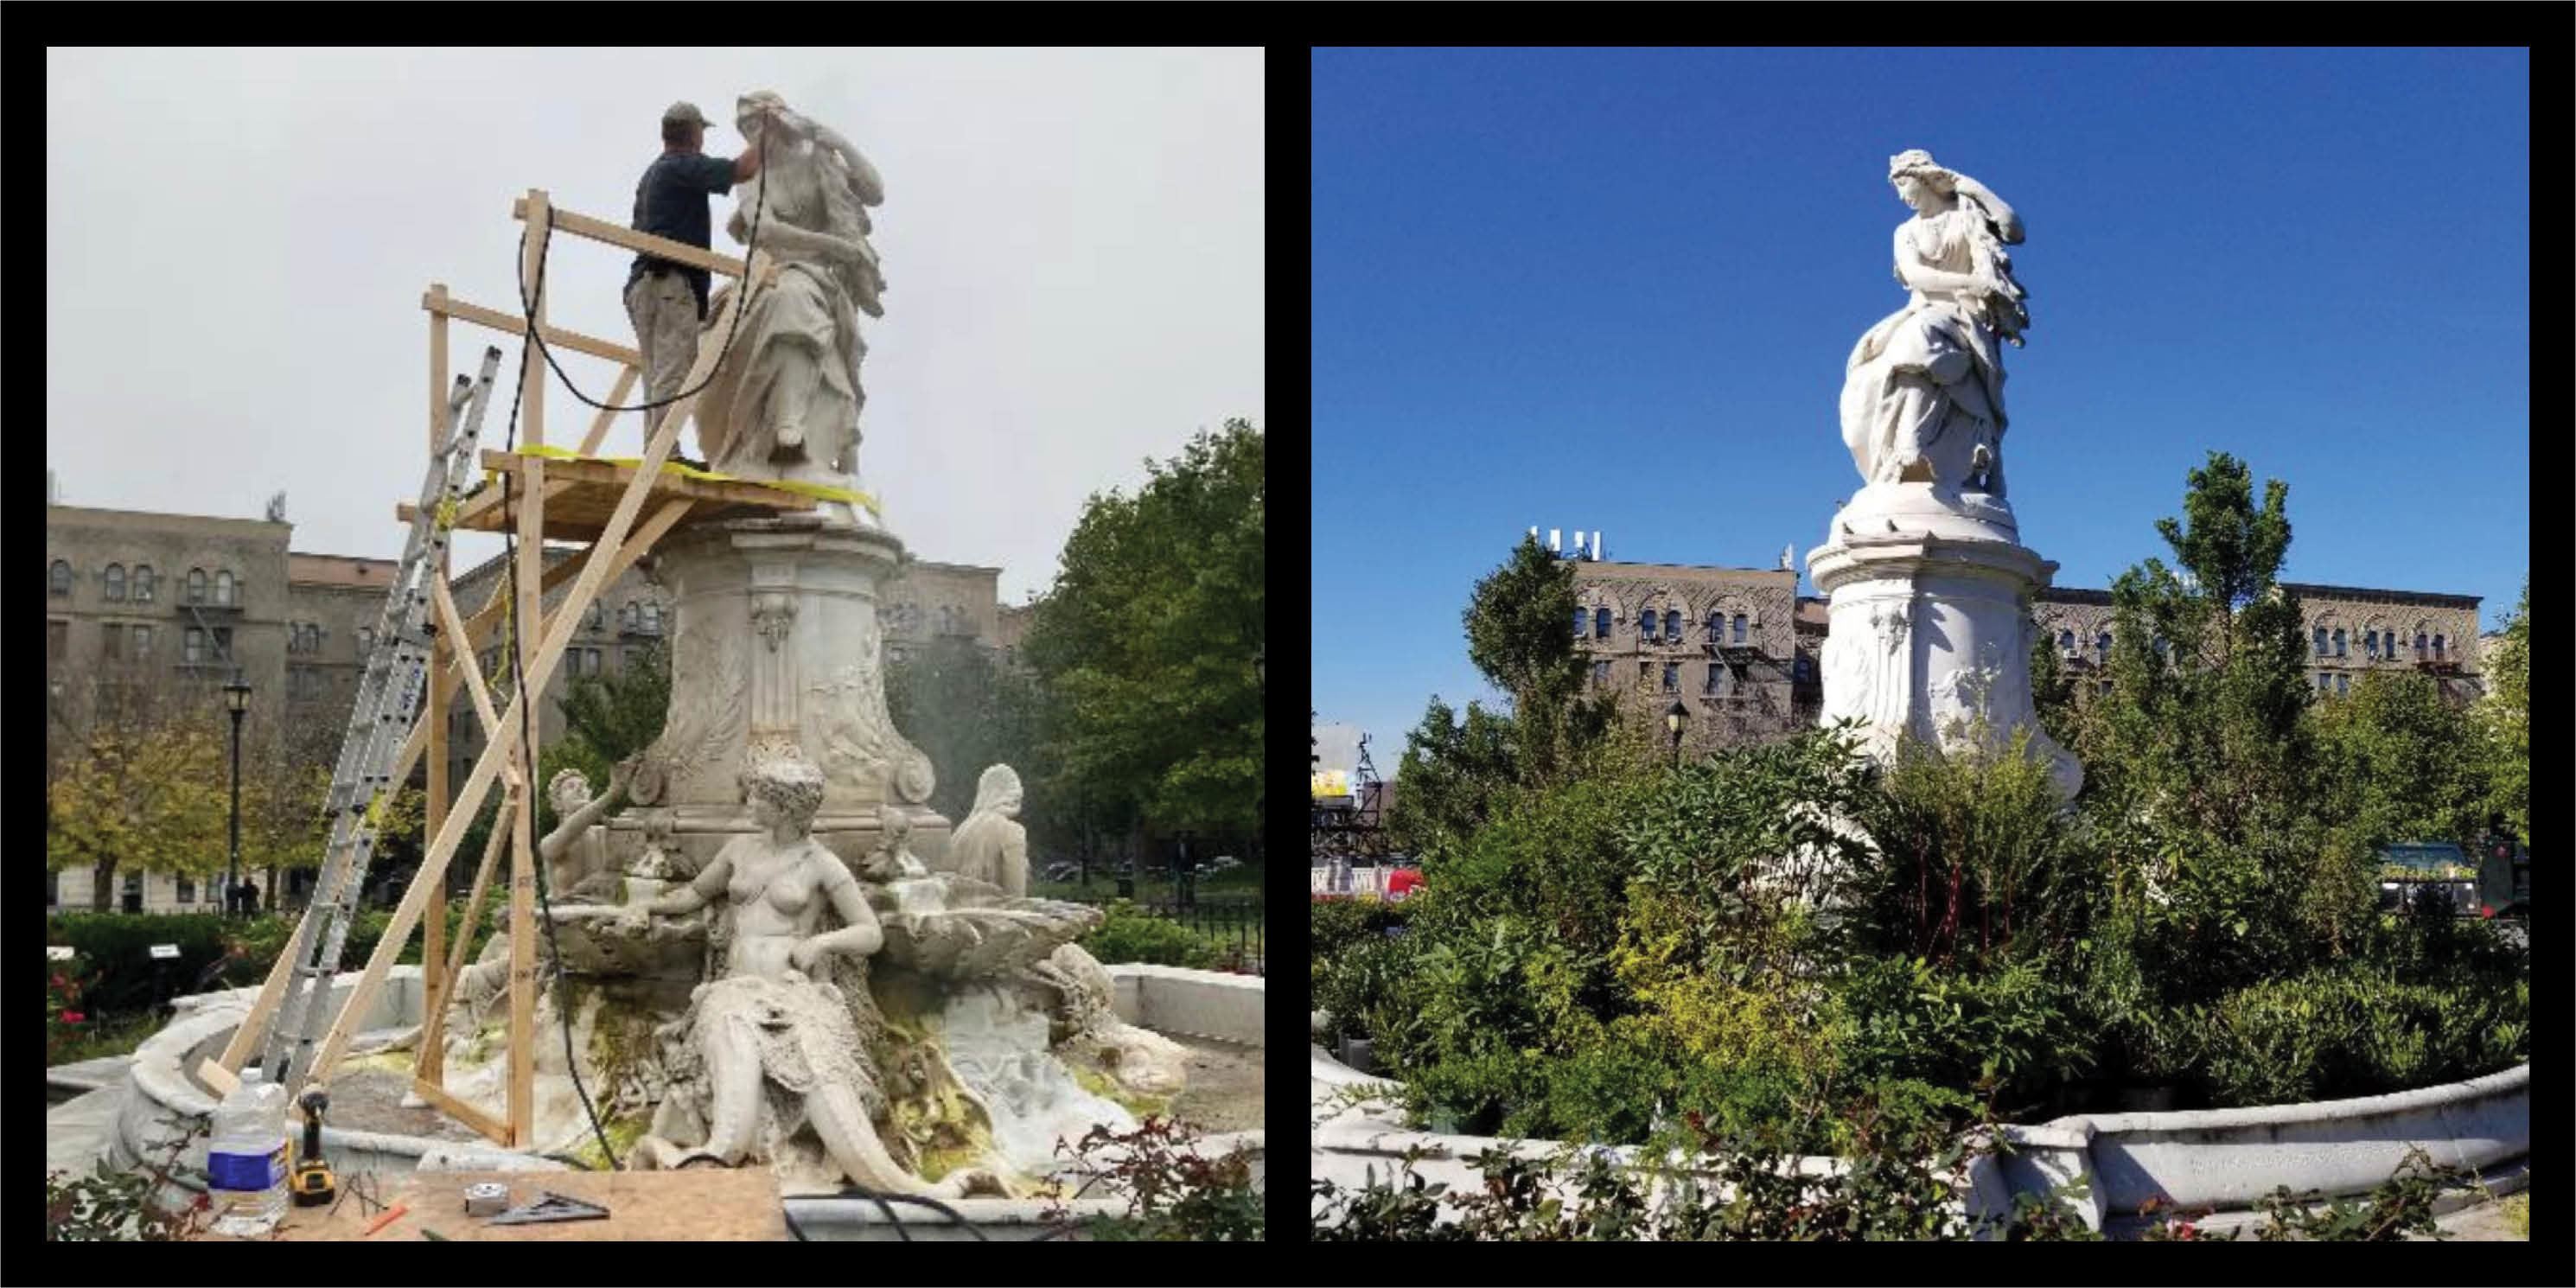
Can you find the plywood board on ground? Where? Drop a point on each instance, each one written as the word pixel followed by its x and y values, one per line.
pixel 701 1204
pixel 585 492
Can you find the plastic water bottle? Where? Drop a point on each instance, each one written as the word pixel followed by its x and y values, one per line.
pixel 246 1159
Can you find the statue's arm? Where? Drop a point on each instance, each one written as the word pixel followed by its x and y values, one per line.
pixel 2007 224
pixel 1917 275
pixel 698 893
pixel 863 177
pixel 582 819
pixel 1015 861
pixel 859 935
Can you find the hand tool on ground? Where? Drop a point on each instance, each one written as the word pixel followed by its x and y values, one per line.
pixel 552 1207
pixel 388 1218
pixel 314 1185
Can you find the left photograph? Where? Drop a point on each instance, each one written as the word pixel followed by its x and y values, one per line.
pixel 634 657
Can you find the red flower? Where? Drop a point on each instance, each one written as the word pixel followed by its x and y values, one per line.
pixel 71 1017
pixel 2186 1231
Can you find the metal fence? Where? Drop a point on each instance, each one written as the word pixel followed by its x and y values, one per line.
pixel 1236 925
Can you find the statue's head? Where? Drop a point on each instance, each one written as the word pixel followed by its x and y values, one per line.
pixel 894 825
pixel 569 790
pixel 1915 173
pixel 783 789
pixel 746 113
pixel 998 790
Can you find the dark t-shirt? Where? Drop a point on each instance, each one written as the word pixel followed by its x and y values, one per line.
pixel 671 201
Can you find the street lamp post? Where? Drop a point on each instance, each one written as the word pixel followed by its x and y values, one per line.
pixel 1675 717
pixel 237 701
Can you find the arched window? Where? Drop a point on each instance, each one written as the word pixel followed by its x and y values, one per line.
pixel 145 584
pixel 116 581
pixel 1673 625
pixel 1581 617
pixel 2102 647
pixel 2419 646
pixel 1601 623
pixel 598 614
pixel 2321 641
pixel 224 587
pixel 652 618
pixel 2437 648
pixel 59 579
pixel 1716 628
pixel 2066 643
pixel 2339 642
pixel 2370 644
pixel 1646 623
pixel 1739 628
pixel 196 585
pixel 627 618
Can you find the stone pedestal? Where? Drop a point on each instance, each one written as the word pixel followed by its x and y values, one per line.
pixel 775 647
pixel 1929 595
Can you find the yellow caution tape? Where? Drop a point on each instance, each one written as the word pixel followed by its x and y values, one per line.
pixel 447 514
pixel 819 491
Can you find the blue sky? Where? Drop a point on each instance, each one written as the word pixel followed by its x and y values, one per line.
pixel 1615 290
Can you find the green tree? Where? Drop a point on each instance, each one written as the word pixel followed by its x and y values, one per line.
pixel 2201 764
pixel 2505 716
pixel 152 803
pixel 1516 635
pixel 2391 756
pixel 1143 647
pixel 965 712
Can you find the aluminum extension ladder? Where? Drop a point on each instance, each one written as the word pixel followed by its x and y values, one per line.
pixel 389 696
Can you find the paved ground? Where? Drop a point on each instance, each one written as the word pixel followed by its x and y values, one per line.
pixel 76 1131
pixel 2482 1223
pixel 1224 1089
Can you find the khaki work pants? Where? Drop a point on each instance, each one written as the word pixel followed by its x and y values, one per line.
pixel 665 313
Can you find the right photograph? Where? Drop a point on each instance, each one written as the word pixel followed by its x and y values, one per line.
pixel 1898 664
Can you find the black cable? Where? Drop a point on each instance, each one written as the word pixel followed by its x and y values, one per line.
pixel 742 304
pixel 510 551
pixel 885 1203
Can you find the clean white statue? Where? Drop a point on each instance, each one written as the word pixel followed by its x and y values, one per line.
pixel 1923 393
pixel 785 402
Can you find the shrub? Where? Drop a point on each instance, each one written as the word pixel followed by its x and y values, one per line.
pixel 1365 988
pixel 2347 1031
pixel 1130 934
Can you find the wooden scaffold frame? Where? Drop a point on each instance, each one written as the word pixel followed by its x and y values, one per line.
pixel 615 542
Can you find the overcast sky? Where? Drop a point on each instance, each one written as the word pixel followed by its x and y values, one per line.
pixel 237 243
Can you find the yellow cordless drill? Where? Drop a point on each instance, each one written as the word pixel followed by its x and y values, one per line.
pixel 313 1185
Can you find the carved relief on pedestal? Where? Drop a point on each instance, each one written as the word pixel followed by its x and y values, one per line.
pixel 855 734
pixel 707 712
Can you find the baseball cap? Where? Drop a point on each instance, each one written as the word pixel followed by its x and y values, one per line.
pixel 685 112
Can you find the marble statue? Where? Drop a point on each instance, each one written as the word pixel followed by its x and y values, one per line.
pixel 576 867
pixel 991 845
pixel 1926 581
pixel 1923 392
pixel 785 402
pixel 773 1042
pixel 893 859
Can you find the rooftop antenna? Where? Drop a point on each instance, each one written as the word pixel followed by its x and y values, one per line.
pixel 277 508
pixel 1788 558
